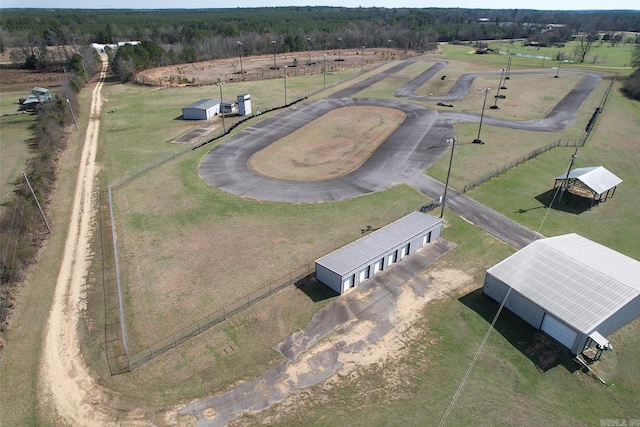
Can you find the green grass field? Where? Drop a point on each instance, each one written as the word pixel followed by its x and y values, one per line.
pixel 15 131
pixel 505 387
pixel 180 239
pixel 503 147
pixel 602 57
pixel 163 214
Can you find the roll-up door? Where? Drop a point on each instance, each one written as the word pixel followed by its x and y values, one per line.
pixel 377 266
pixel 393 257
pixel 364 274
pixel 404 252
pixel 348 282
pixel 558 330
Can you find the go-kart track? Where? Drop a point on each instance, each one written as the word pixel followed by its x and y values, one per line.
pixel 402 158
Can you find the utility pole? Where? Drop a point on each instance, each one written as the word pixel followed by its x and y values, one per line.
pixel 508 67
pixel 239 43
pixel 224 127
pixel 495 104
pixel 73 116
pixel 285 85
pixel 565 181
pixel 478 140
pixel 560 56
pixel 273 43
pixel 37 202
pixel 324 74
pixel 446 185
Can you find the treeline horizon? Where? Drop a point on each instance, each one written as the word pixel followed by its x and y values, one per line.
pixel 323 24
pixel 39 38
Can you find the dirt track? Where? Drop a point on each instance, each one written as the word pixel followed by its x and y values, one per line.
pixel 66 382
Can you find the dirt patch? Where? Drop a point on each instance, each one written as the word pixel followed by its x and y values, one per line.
pixel 381 355
pixel 16 79
pixel 265 66
pixel 329 147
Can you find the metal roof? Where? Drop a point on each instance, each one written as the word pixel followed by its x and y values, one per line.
pixel 378 243
pixel 578 281
pixel 204 104
pixel 596 178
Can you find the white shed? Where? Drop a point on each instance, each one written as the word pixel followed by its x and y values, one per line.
pixel 575 290
pixel 203 109
pixel 244 105
pixel 354 263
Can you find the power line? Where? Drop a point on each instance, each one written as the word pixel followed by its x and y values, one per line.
pixel 491 326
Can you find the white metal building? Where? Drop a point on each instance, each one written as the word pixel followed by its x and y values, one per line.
pixel 575 290
pixel 595 180
pixel 203 109
pixel 354 263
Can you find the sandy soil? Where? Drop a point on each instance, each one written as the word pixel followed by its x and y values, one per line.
pixel 259 67
pixel 66 384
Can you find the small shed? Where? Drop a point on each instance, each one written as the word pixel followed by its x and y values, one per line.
pixel 575 290
pixel 203 109
pixel 244 104
pixel 595 181
pixel 354 263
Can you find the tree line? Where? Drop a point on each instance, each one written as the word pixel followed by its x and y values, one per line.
pixel 631 86
pixel 214 33
pixel 22 228
pixel 46 39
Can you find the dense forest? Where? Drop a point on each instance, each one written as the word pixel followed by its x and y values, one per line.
pixel 47 39
pixel 210 33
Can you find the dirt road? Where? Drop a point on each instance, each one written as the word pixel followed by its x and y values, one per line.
pixel 66 383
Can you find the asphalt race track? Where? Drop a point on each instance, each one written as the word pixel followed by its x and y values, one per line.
pixel 402 158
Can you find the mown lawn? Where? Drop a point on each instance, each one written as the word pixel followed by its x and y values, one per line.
pixel 521 377
pixel 176 231
pixel 524 193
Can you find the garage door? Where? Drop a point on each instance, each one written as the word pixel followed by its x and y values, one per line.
pixel 558 330
pixel 426 239
pixel 393 257
pixel 364 274
pixel 405 252
pixel 348 282
pixel 377 266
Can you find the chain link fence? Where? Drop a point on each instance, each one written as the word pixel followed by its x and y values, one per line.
pixel 500 170
pixel 205 323
pixel 575 143
pixel 120 357
pixel 116 346
pixel 182 75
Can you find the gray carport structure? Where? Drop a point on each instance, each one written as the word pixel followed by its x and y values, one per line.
pixel 595 180
pixel 354 263
pixel 575 290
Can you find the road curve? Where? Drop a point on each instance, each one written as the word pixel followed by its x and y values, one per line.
pixel 404 153
pixel 413 147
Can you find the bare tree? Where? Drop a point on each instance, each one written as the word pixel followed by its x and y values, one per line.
pixel 585 43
